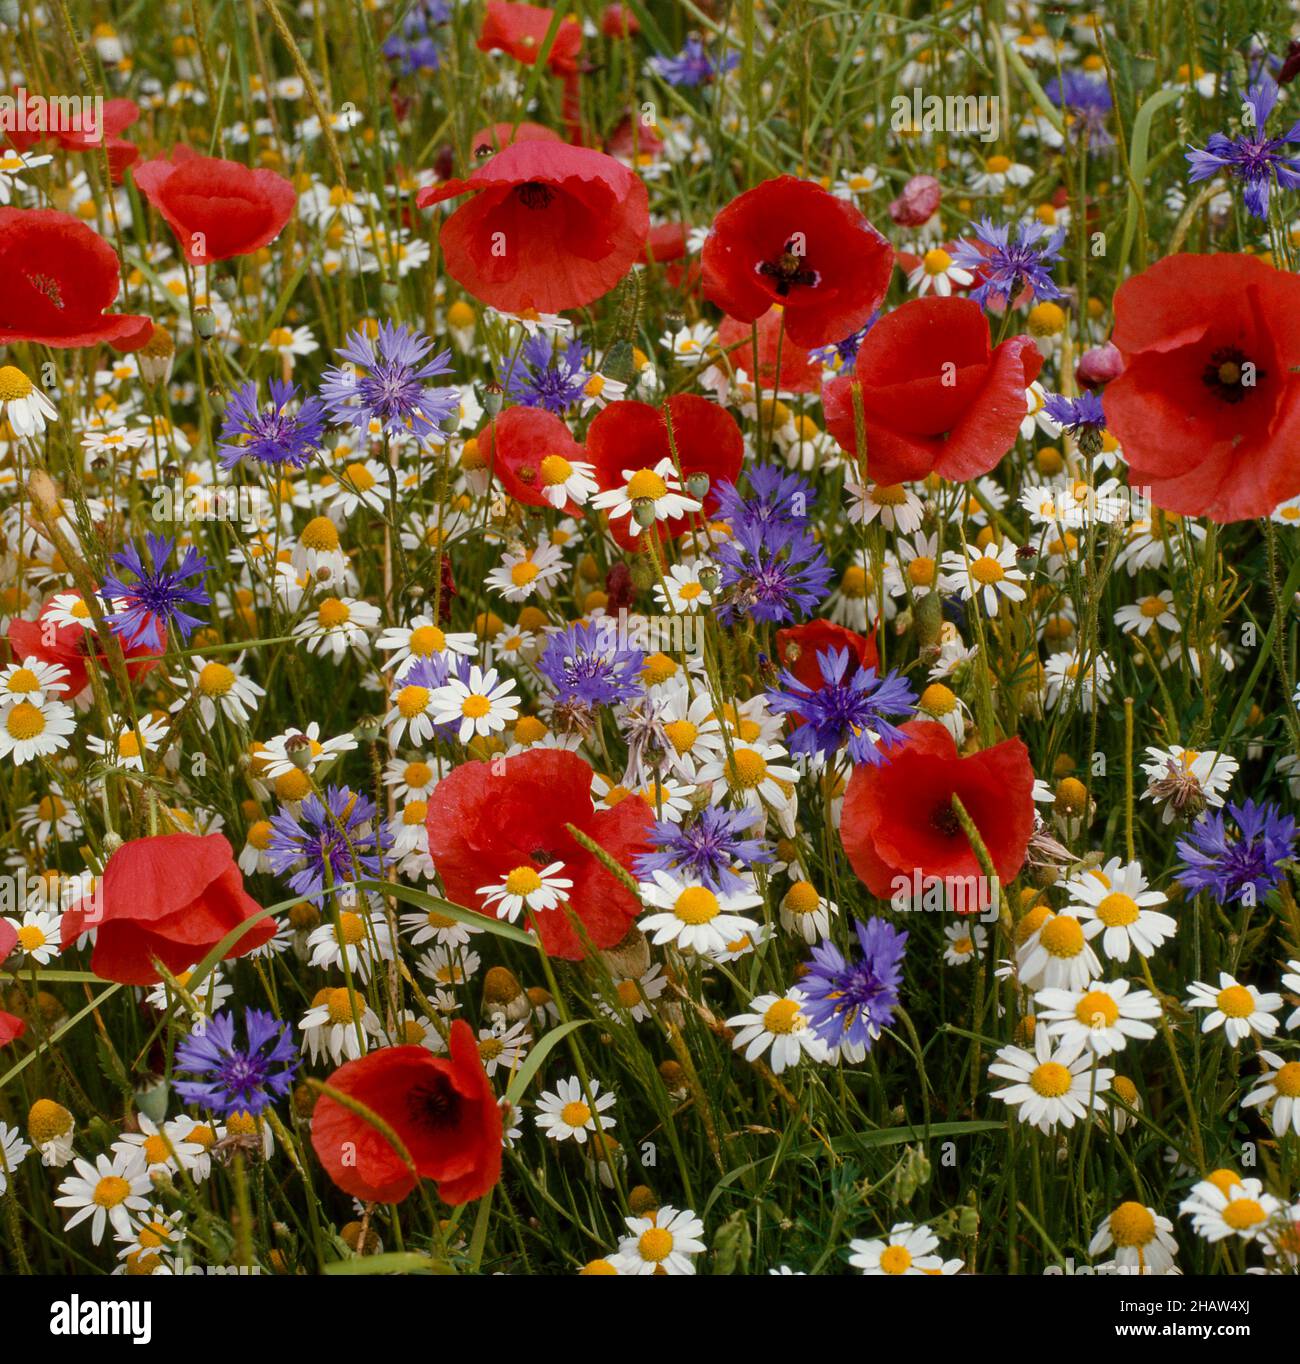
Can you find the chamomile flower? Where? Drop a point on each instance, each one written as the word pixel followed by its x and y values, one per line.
pixel 358 938
pixel 1226 1205
pixel 525 571
pixel 564 1113
pixel 525 887
pixel 1140 616
pixel 937 272
pixel 663 1242
pixel 22 404
pixel 647 496
pixel 479 705
pixel 38 935
pixel 32 680
pixel 986 575
pixel 109 1191
pixel 1239 1009
pixel 693 917
pixel 1280 1085
pixel 634 995
pixel 964 941
pixel 1143 1240
pixel 34 729
pixel 1101 1017
pixel 1292 982
pixel 126 745
pixel 338 1025
pixel 778 1023
pixel 753 772
pixel 218 687
pixel 337 625
pixel 159 1148
pixel 806 912
pixel 1057 955
pixel 1049 1086
pixel 896 506
pixel 502 1048
pixel 1113 901
pixel 681 590
pixel 422 638
pixel 14 1150
pixel 1184 781
pixel 908 1249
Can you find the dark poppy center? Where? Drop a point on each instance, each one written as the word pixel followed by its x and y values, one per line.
pixel 44 284
pixel 1230 375
pixel 788 270
pixel 544 856
pixel 943 819
pixel 434 1103
pixel 534 194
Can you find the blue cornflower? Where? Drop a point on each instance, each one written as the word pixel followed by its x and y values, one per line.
pixel 844 710
pixel 845 351
pixel 545 377
pixel 776 496
pixel 154 600
pixel 1076 415
pixel 771 572
pixel 1257 161
pixel 337 831
pixel 1011 263
pixel 693 66
pixel 273 436
pixel 1241 865
pixel 706 849
pixel 851 1002
pixel 1088 101
pixel 234 1079
pixel 384 380
pixel 586 663
pixel 413 46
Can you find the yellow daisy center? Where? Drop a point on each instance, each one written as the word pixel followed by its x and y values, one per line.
pixel 474 707
pixel 332 613
pixel 646 483
pixel 411 701
pixel 112 1189
pixel 555 470
pixel 696 905
pixel 896 1260
pixel 987 570
pixel 1062 936
pixel 523 881
pixel 426 640
pixel 575 1114
pixel 782 1016
pixel 1236 1001
pixel 1097 1008
pixel 656 1244
pixel 1051 1080
pixel 215 679
pixel 1118 910
pixel 14 384
pixel 25 721
pixel 746 768
pixel 1132 1225
pixel 1243 1213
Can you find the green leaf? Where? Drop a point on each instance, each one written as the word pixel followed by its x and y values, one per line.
pixel 1137 162
pixel 395 1262
pixel 520 1080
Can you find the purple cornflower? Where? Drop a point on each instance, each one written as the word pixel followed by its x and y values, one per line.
pixel 545 377
pixel 154 599
pixel 234 1079
pixel 845 351
pixel 1076 415
pixel 1257 161
pixel 844 710
pixel 776 496
pixel 771 572
pixel 586 663
pixel 337 831
pixel 413 46
pixel 273 436
pixel 693 66
pixel 849 1003
pixel 1240 866
pixel 384 380
pixel 1010 264
pixel 1088 100
pixel 707 848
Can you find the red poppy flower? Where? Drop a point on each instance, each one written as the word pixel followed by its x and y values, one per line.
pixel 634 138
pixel 70 646
pixel 798 373
pixel 441 1108
pixel 59 276
pixel 549 227
pixel 218 209
pixel 482 827
pixel 119 114
pixel 937 398
pixel 521 30
pixel 898 818
pixel 516 447
pixel 797 649
pixel 11 1026
pixel 501 135
pixel 788 241
pixel 667 242
pixel 1207 409
pixel 632 435
pixel 618 21
pixel 173 897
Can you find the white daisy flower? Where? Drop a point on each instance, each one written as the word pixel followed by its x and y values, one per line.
pixel 419 639
pixel 331 1026
pixel 1140 616
pixel 897 506
pixel 38 935
pixel 936 272
pixel 219 687
pixel 693 917
pixel 523 572
pixel 1280 1085
pixel 1239 1009
pixel 907 1250
pixel 526 887
pixel 110 1190
pixel 481 705
pixel 1057 955
pixel 31 680
pixel 338 624
pixel 22 404
pixel 1049 1086
pixel 15 1151
pixel 985 574
pixel 1114 901
pixel 664 1241
pixel 777 1022
pixel 1186 780
pixel 564 1112
pixel 1225 1205
pixel 1101 1017
pixel 647 496
pixel 1143 1240
pixel 34 729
